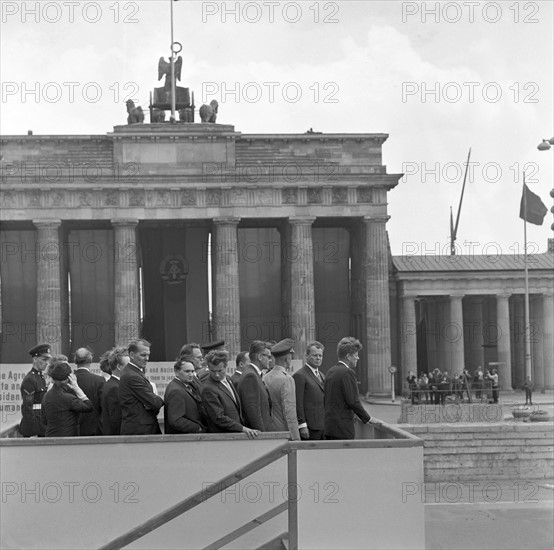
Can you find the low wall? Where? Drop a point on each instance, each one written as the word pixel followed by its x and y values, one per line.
pixel 452 412
pixel 84 492
pixel 492 451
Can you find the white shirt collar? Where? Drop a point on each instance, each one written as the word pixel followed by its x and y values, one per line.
pixel 344 364
pixel 315 371
pixel 257 369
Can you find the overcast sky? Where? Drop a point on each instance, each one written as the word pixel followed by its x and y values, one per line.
pixel 438 81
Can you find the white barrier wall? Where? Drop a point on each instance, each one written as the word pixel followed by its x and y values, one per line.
pixel 84 492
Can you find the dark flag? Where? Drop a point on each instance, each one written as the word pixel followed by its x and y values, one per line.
pixel 531 209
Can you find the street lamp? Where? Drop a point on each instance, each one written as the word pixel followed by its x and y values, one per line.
pixel 545 144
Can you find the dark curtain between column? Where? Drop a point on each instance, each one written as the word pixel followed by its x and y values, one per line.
pixel 18 281
pixel 175 288
pixel 259 254
pixel 89 255
pixel 332 290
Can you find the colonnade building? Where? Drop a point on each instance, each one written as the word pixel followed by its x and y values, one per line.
pixel 193 232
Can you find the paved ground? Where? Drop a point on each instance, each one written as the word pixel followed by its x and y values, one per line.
pixel 503 515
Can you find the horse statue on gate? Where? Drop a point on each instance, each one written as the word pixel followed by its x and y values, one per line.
pixel 136 115
pixel 208 113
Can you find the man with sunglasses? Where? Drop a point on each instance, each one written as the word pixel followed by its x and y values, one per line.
pixel 33 388
pixel 256 403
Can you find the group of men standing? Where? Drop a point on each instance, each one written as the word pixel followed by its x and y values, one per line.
pixel 262 395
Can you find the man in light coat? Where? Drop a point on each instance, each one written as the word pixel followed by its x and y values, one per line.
pixel 282 390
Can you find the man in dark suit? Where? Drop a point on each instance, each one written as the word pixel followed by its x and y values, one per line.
pixel 256 403
pixel 183 409
pixel 92 385
pixel 221 400
pixel 33 389
pixel 241 361
pixel 341 393
pixel 116 360
pixel 309 393
pixel 139 404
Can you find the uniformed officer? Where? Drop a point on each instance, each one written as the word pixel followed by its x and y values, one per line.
pixel 33 389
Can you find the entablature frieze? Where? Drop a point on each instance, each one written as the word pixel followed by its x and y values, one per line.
pixel 151 197
pixel 479 286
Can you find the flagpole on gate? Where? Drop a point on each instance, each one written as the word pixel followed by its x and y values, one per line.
pixel 172 61
pixel 527 327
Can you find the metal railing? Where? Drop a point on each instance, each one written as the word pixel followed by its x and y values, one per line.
pixel 205 494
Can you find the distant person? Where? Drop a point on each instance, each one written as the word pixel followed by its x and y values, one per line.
pixel 33 389
pixel 221 400
pixel 478 380
pixel 341 393
pixel 139 404
pixel 412 385
pixel 64 403
pixel 423 384
pixel 528 386
pixel 92 384
pixel 309 381
pixel 256 403
pixel 445 387
pixel 493 377
pixel 282 390
pixel 183 409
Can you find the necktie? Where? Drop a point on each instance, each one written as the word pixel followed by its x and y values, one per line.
pixel 229 389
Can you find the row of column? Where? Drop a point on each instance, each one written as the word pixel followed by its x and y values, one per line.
pixel 301 313
pixel 226 302
pixel 49 283
pixel 456 353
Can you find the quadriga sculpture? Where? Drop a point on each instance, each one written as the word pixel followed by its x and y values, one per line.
pixel 208 113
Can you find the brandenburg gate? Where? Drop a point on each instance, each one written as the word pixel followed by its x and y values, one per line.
pixel 182 232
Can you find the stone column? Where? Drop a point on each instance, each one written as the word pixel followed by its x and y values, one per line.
pixel 302 306
pixel 378 353
pixel 473 317
pixel 126 306
pixel 548 340
pixel 49 295
pixel 503 343
pixel 454 336
pixel 226 299
pixel 408 337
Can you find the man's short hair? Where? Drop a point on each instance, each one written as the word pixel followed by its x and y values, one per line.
pixel 314 344
pixel 180 362
pixel 348 345
pixel 240 357
pixel 257 347
pixel 187 349
pixel 134 345
pixel 216 357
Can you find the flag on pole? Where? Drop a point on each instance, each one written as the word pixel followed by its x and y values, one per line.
pixel 531 209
